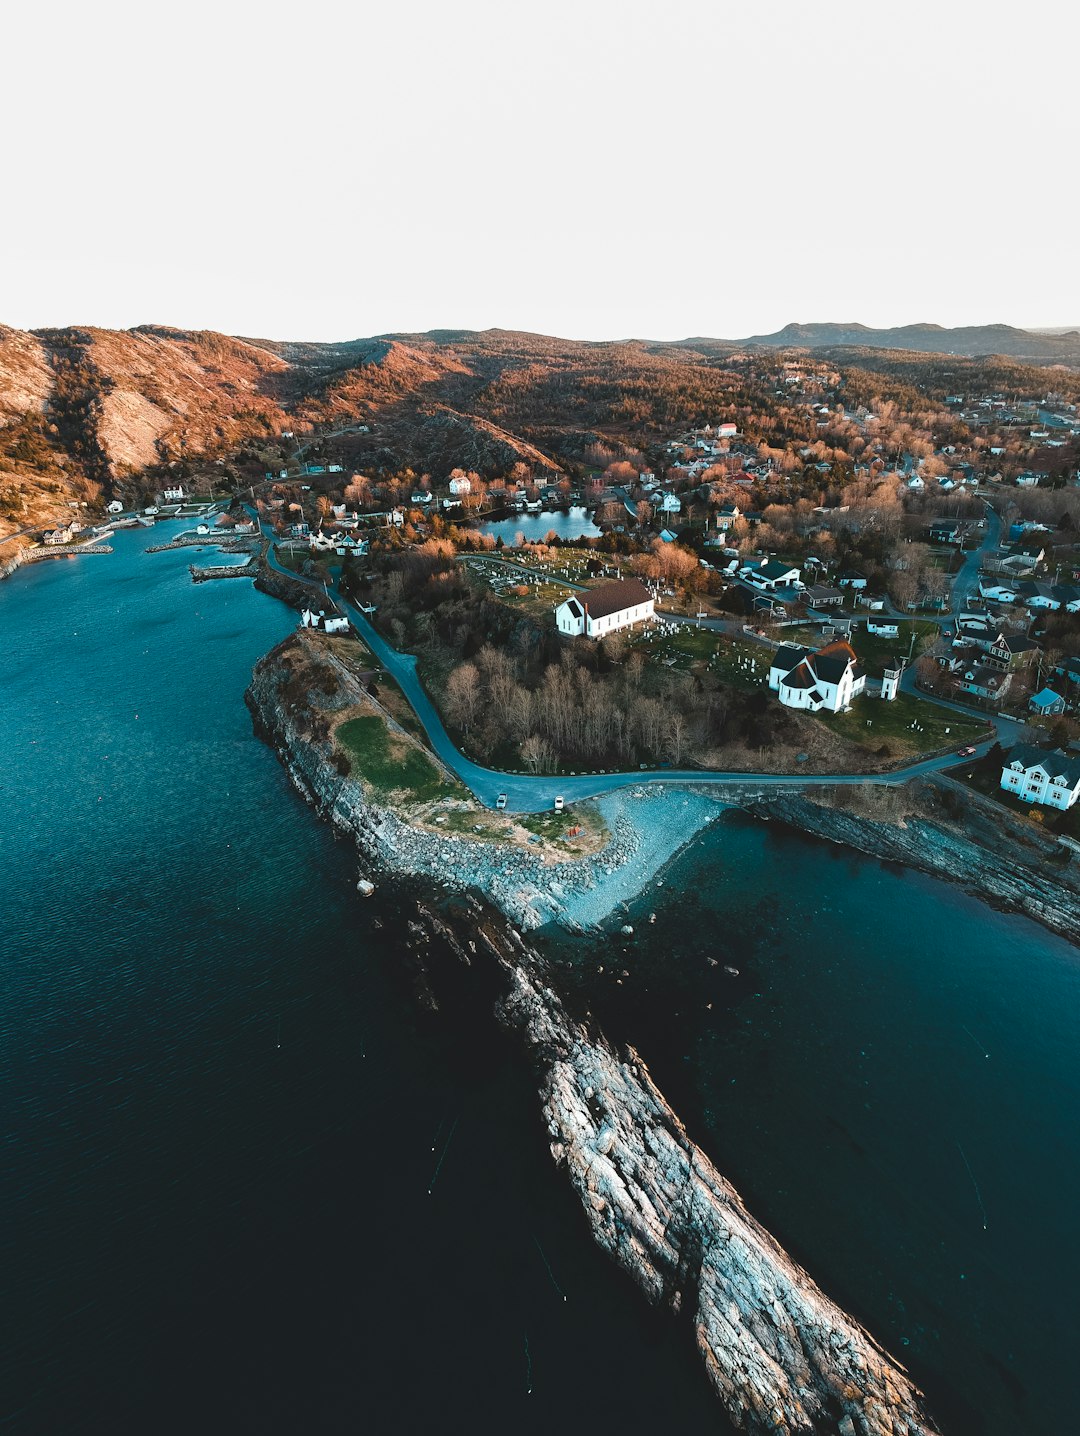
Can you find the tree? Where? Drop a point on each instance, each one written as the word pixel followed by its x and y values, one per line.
pixel 463 695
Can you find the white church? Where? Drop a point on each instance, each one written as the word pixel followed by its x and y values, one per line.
pixel 596 612
pixel 828 678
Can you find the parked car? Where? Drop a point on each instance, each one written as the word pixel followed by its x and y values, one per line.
pixel 965 752
pixel 500 801
pixel 559 805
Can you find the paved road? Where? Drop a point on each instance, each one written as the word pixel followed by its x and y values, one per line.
pixel 527 793
pixel 966 581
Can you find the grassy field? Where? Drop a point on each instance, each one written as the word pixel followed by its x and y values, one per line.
pixel 869 646
pixel 388 762
pixel 908 725
pixel 745 665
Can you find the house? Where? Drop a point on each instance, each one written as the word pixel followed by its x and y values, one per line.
pixel 460 485
pixel 851 578
pixel 1009 652
pixel 773 575
pixel 1047 703
pixel 605 609
pixel 339 624
pixel 1037 776
pixel 882 630
pixel 873 601
pixel 114 506
pixel 984 683
pixel 727 515
pixel 997 592
pixel 670 504
pixel 668 535
pixel 915 483
pixel 945 531
pixel 173 494
pixel 819 595
pixel 828 678
pixel 61 535
pixel 726 431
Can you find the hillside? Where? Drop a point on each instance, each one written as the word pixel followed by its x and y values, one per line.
pixel 1044 347
pixel 88 414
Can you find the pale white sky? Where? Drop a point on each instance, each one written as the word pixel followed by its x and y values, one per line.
pixel 576 167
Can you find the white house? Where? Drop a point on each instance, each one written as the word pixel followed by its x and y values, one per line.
pixel 997 592
pixel 1036 776
pixel 114 506
pixel 882 630
pixel 826 679
pixel 726 431
pixel 671 504
pixel 596 612
pixel 336 625
pixel 173 493
pixel 915 482
pixel 773 575
pixel 460 485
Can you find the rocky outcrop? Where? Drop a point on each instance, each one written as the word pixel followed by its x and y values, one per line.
pixel 520 883
pixel 782 1357
pixel 943 829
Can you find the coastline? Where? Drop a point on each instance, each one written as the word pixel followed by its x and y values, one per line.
pixel 780 1355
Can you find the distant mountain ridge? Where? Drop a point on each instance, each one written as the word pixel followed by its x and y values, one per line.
pixel 1043 346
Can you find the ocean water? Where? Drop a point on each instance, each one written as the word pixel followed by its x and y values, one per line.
pixel 247 1186
pixel 890 1075
pixel 222 1112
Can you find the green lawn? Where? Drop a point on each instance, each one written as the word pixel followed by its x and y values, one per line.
pixel 908 725
pixel 869 646
pixel 388 762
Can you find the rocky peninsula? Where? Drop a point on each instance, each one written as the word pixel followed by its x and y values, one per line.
pixel 781 1356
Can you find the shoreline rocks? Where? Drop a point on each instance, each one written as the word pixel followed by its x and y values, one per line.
pixel 781 1356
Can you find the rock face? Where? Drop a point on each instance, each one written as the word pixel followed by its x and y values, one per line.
pixel 782 1357
pixel 943 829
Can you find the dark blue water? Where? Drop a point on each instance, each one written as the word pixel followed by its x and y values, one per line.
pixel 842 1081
pixel 568 524
pixel 203 1229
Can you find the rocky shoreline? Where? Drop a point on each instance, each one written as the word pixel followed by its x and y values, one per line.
pixel 941 828
pixel 781 1356
pixel 577 894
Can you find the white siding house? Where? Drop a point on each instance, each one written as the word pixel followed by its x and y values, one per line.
pixel 1036 776
pixel 596 612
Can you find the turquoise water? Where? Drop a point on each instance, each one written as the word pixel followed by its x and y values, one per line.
pixel 206 1230
pixel 892 1081
pixel 221 1111
pixel 568 524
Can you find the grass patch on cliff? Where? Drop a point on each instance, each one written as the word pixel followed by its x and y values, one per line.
pixel 389 762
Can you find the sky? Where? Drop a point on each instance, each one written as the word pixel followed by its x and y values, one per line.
pixel 578 167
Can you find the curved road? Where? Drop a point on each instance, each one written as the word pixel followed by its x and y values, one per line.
pixel 529 793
